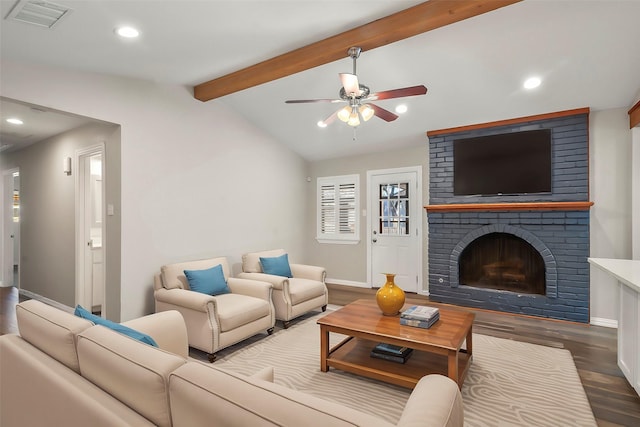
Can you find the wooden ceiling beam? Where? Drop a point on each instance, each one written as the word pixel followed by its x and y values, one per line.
pixel 398 26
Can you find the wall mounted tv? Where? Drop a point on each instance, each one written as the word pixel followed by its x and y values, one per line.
pixel 509 163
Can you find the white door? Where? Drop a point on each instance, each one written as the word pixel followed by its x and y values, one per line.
pixel 90 228
pixel 10 227
pixel 395 227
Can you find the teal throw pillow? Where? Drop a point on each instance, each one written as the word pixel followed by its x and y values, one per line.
pixel 278 266
pixel 210 281
pixel 125 330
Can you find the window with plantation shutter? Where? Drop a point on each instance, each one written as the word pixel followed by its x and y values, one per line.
pixel 338 209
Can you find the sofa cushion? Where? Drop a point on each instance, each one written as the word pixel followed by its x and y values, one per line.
pixel 38 390
pixel 97 320
pixel 235 310
pixel 132 372
pixel 251 261
pixel 51 330
pixel 210 281
pixel 278 266
pixel 173 274
pixel 204 395
pixel 302 290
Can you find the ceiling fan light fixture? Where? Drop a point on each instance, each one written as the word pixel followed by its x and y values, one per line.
pixel 354 118
pixel 344 113
pixel 366 111
pixel 357 96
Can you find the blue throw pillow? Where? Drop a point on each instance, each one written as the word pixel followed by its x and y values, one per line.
pixel 125 330
pixel 278 266
pixel 210 281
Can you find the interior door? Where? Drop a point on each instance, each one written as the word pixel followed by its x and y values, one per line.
pixel 395 227
pixel 90 227
pixel 10 227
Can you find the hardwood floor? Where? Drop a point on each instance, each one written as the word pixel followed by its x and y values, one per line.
pixel 8 299
pixel 594 348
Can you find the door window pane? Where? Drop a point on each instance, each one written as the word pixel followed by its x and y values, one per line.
pixel 393 210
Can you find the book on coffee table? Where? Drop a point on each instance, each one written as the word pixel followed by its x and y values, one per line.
pixel 420 312
pixel 425 324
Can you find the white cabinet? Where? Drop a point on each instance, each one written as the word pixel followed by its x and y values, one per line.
pixel 628 274
pixel 628 334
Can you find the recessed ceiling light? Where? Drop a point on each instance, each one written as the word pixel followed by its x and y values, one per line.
pixel 128 32
pixel 15 121
pixel 322 124
pixel 532 83
pixel 400 109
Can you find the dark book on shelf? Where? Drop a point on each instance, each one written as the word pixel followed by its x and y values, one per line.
pixel 392 350
pixel 391 357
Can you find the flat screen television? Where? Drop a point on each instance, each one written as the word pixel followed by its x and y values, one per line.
pixel 509 163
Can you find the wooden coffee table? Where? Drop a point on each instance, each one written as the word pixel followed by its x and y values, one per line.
pixel 435 350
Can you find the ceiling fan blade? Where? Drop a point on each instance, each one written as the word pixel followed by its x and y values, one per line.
pixel 350 83
pixel 385 115
pixel 331 118
pixel 398 93
pixel 305 101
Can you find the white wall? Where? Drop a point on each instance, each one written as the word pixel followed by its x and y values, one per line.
pixel 197 179
pixel 635 184
pixel 348 263
pixel 610 187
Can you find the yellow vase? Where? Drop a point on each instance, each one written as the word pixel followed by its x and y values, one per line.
pixel 390 298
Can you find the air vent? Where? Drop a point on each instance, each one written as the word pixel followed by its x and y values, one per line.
pixel 38 12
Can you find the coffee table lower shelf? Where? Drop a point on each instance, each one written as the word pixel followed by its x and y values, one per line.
pixel 354 355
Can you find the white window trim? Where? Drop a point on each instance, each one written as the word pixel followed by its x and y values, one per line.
pixel 338 238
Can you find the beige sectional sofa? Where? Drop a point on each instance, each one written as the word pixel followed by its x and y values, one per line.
pixel 64 371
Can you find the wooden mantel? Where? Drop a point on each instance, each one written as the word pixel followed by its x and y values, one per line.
pixel 526 206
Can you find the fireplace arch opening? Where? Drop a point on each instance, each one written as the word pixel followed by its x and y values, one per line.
pixel 502 261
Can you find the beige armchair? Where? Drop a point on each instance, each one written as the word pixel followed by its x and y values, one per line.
pixel 292 296
pixel 215 322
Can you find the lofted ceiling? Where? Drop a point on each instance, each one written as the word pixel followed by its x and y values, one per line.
pixel 586 53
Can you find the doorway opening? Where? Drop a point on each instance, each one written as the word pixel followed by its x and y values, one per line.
pixel 90 241
pixel 10 275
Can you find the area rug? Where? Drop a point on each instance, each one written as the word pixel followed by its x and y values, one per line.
pixel 510 383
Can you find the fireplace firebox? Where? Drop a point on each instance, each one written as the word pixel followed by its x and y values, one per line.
pixel 502 261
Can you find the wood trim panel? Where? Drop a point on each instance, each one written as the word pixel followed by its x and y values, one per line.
pixel 634 115
pixel 398 26
pixel 510 121
pixel 533 206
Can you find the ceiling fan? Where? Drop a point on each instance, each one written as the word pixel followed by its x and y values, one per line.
pixel 358 96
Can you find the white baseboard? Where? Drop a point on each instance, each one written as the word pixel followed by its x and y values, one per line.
pixel 607 323
pixel 347 283
pixel 46 300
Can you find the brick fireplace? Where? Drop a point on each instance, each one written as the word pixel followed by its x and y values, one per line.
pixel 523 253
